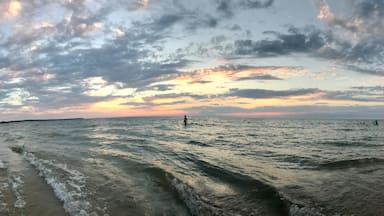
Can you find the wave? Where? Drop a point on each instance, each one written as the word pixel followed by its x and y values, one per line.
pixel 13 138
pixel 194 142
pixel 342 164
pixel 254 190
pixel 345 129
pixel 3 165
pixel 344 143
pixel 67 184
pixel 258 198
pixel 196 204
pixel 297 210
pixel 254 197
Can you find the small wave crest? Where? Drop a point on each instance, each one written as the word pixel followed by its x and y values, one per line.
pixel 343 143
pixel 342 164
pixel 266 197
pixel 196 204
pixel 3 165
pixel 194 142
pixel 296 210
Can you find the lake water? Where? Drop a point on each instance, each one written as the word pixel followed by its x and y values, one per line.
pixel 214 166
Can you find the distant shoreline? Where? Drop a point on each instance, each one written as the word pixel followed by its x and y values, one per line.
pixel 195 116
pixel 39 120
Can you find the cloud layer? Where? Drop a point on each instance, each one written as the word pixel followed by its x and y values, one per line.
pixel 167 57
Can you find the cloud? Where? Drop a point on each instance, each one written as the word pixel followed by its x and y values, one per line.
pixel 371 71
pixel 336 21
pixel 17 97
pixel 302 112
pixel 175 95
pixel 69 54
pixel 363 41
pixel 358 93
pixel 355 42
pixel 259 77
pixel 234 72
pixel 295 41
pixel 225 7
pixel 158 87
pixel 263 93
pixel 319 44
pixel 370 88
pixel 365 21
pixel 256 3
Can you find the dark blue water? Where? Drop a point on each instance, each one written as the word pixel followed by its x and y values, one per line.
pixel 214 166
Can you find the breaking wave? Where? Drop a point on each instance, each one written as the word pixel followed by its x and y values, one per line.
pixel 3 165
pixel 67 184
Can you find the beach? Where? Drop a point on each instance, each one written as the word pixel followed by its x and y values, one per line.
pixel 212 166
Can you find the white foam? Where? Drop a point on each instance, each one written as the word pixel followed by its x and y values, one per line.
pixel 20 203
pixel 69 189
pixel 295 210
pixel 3 165
pixel 17 185
pixel 3 185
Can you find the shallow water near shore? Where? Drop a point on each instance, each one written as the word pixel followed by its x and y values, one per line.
pixel 214 166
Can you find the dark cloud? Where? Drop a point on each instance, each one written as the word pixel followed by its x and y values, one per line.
pixel 371 71
pixel 166 21
pixel 370 88
pixel 319 44
pixel 363 43
pixel 263 93
pixel 295 41
pixel 235 27
pixel 256 3
pixel 358 93
pixel 149 104
pixel 354 96
pixel 200 82
pixel 225 7
pixel 160 87
pixel 174 95
pixel 260 77
pixel 370 8
pixel 242 67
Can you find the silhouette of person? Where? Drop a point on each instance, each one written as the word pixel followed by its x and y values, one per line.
pixel 376 122
pixel 185 120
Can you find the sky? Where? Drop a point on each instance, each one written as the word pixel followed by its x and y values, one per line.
pixel 246 58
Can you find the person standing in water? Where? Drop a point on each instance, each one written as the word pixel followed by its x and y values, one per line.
pixel 185 120
pixel 376 123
